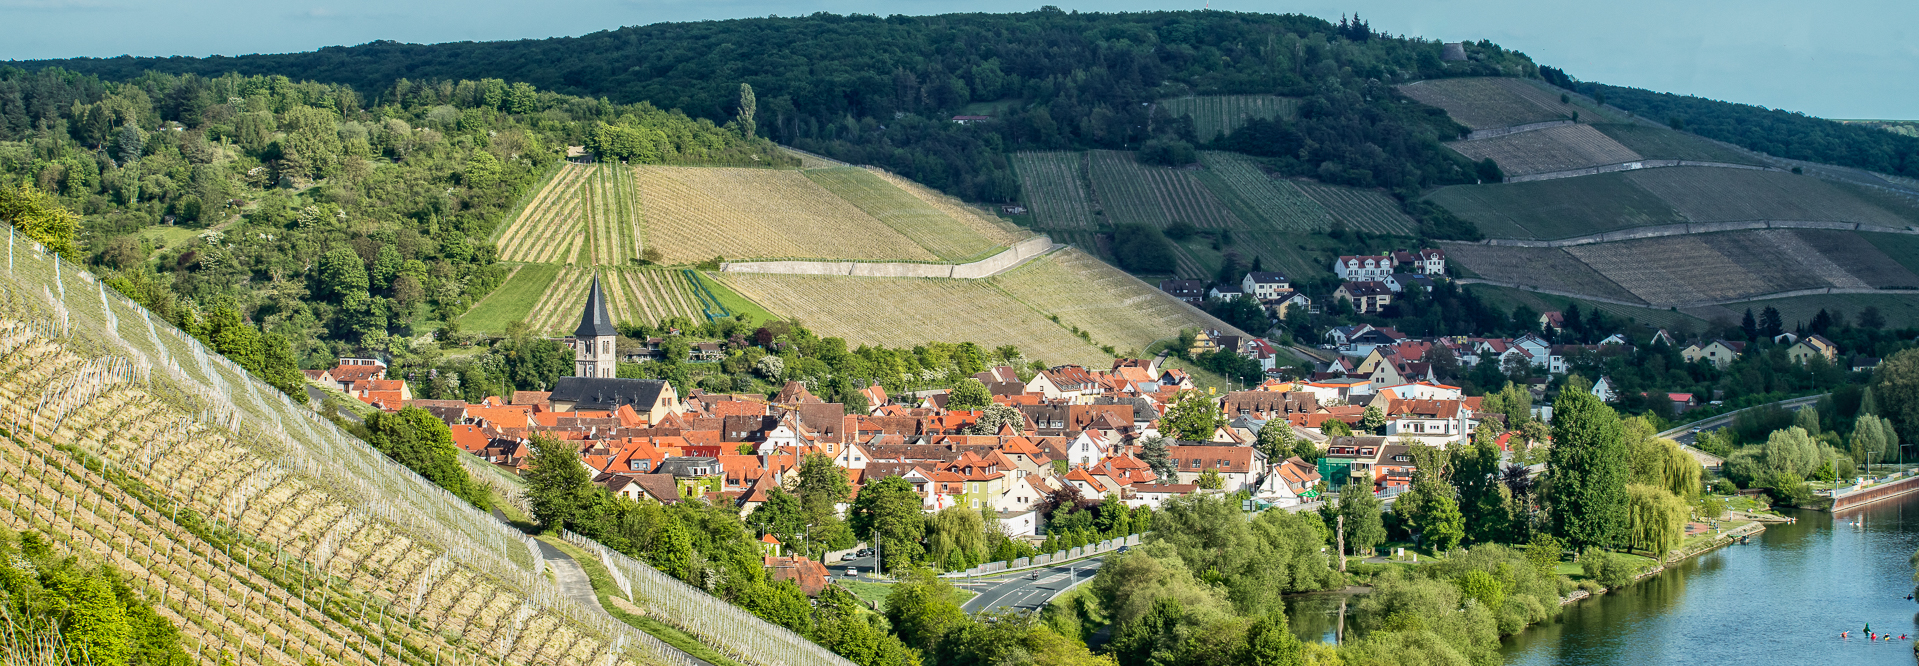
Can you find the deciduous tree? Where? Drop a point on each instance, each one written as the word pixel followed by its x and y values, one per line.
pixel 1587 471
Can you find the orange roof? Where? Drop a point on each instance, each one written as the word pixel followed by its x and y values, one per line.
pixel 1081 476
pixel 516 416
pixel 769 539
pixel 471 439
pixel 381 385
pixel 386 400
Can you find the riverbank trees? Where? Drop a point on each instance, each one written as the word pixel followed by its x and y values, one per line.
pixel 1586 472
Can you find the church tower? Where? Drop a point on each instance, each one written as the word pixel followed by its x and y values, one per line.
pixel 593 354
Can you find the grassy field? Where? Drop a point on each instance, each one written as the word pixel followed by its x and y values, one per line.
pixel 1706 194
pixel 912 217
pixel 512 301
pixel 734 302
pixel 696 213
pixel 1372 211
pixel 1560 208
pixel 1133 193
pixel 1659 143
pixel 1485 103
pixel 548 228
pixel 1218 115
pixel 1541 267
pixel 1260 199
pixel 1551 149
pixel 1054 190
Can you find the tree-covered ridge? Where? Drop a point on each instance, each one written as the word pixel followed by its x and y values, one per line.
pixel 332 217
pixel 873 90
pixel 1778 132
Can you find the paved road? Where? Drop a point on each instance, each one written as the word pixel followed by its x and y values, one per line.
pixel 1019 591
pixel 1685 435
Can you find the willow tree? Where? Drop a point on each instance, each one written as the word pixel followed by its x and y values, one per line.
pixel 1655 519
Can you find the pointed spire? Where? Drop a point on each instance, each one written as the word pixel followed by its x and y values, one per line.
pixel 594 321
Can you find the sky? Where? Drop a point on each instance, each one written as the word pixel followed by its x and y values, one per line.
pixel 1834 59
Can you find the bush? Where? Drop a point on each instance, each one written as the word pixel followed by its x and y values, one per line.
pixel 1607 568
pixel 1167 152
pixel 1143 249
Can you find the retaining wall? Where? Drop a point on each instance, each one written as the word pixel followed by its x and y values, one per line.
pixel 1882 491
pixel 1633 166
pixel 988 267
pixel 1503 131
pixel 1659 231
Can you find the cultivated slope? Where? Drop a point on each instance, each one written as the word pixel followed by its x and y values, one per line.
pixel 266 534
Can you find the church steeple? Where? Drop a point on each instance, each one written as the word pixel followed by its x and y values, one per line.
pixel 593 354
pixel 594 321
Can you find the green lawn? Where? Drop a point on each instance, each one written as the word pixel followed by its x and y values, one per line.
pixel 734 302
pixel 512 301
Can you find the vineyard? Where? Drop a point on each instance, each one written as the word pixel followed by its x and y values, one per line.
pixel 915 311
pixel 1706 194
pixel 1542 268
pixel 1259 198
pixel 1561 208
pixel 1215 116
pixel 1487 103
pixel 1114 308
pixel 638 295
pixel 1372 211
pixel 1903 249
pixel 548 229
pixel 946 235
pixel 1132 193
pixel 1506 299
pixel 512 301
pixel 612 217
pixel 264 533
pixel 1054 190
pixel 1552 149
pixel 1702 267
pixel 983 222
pixel 1659 143
pixel 696 213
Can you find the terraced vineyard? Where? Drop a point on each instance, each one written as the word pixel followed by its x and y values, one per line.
pixel 512 301
pixel 1133 193
pixel 1659 143
pixel 696 213
pixel 548 229
pixel 1703 267
pixel 1561 208
pixel 996 230
pixel 1261 199
pixel 640 295
pixel 1115 308
pixel 1218 115
pixel 1369 210
pixel 265 534
pixel 1488 103
pixel 1541 268
pixel 1705 194
pixel 949 237
pixel 1054 191
pixel 1547 150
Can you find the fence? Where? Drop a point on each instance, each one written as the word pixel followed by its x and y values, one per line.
pixel 44 297
pixel 1048 559
pixel 739 635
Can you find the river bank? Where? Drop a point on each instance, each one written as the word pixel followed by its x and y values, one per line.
pixel 1781 599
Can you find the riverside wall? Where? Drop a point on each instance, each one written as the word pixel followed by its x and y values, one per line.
pixel 1905 486
pixel 990 266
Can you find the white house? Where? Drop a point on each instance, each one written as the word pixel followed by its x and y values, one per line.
pixel 1237 466
pixel 1604 390
pixel 1224 293
pixel 1429 261
pixel 1362 268
pixel 1264 285
pixel 1422 391
pixel 1430 421
pixel 1022 493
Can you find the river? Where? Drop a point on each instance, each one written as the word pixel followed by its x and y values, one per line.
pixel 1781 599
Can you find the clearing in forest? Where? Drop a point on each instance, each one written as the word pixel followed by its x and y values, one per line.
pixel 1216 116
pixel 952 239
pixel 1133 193
pixel 1054 190
pixel 1546 150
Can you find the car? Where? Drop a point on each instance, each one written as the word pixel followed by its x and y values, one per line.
pixel 864 552
pixel 849 557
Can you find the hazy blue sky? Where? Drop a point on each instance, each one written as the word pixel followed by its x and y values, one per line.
pixel 1837 58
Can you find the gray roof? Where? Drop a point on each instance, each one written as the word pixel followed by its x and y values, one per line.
pixel 595 393
pixel 594 321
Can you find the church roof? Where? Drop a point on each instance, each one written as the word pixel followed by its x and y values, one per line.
pixel 594 321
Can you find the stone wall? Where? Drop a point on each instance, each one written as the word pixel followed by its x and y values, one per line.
pixel 1633 166
pixel 988 267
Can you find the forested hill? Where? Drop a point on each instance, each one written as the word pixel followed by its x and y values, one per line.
pixel 1772 131
pixel 880 90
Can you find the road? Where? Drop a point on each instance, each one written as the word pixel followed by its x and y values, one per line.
pixel 1019 590
pixel 1687 434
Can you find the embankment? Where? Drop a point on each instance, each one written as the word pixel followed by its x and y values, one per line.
pixel 1876 493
